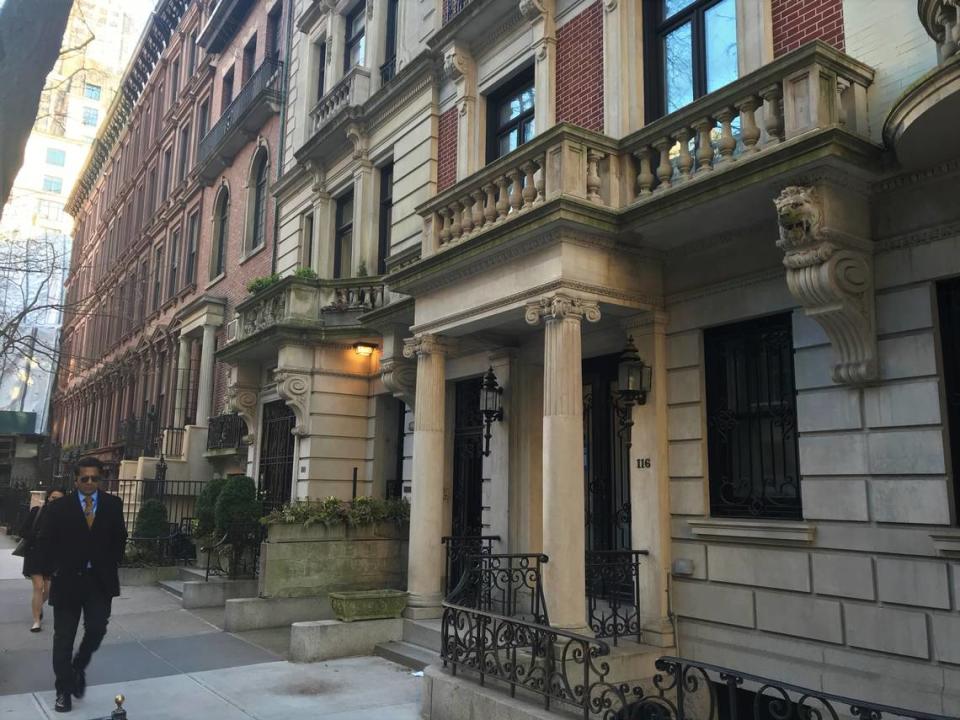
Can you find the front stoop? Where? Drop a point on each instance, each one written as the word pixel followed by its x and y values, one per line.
pixel 195 591
pixel 419 646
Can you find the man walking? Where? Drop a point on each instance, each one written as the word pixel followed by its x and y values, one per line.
pixel 82 540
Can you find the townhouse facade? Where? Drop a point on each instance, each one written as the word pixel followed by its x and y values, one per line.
pixel 672 282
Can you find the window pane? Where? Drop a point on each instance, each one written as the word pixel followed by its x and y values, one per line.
pixel 721 34
pixel 357 52
pixel 671 7
pixel 528 131
pixel 508 142
pixel 678 68
pixel 526 100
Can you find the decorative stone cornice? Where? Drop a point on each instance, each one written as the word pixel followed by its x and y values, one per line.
pixel 561 307
pixel 427 344
pixel 293 386
pixel 400 378
pixel 834 284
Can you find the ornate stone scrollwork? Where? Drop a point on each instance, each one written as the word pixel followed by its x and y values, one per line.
pixel 267 312
pixel 426 344
pixel 456 62
pixel 530 9
pixel 293 387
pixel 400 378
pixel 358 138
pixel 561 307
pixel 833 283
pixel 242 399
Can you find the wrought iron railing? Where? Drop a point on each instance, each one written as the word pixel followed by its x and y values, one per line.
pixel 235 553
pixel 226 432
pixel 452 8
pixel 179 498
pixel 139 436
pixel 613 593
pixel 457 548
pixel 172 442
pixel 265 79
pixel 388 70
pixel 506 584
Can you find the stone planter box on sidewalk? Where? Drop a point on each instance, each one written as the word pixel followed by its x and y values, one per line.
pixel 298 561
pixel 353 605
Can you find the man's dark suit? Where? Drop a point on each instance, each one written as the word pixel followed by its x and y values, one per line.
pixel 83 562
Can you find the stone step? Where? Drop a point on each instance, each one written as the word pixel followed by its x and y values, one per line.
pixel 186 572
pixel 172 586
pixel 408 654
pixel 425 633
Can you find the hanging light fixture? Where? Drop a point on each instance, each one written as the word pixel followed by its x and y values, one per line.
pixel 491 406
pixel 634 378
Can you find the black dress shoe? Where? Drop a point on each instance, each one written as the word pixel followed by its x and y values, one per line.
pixel 64 703
pixel 79 683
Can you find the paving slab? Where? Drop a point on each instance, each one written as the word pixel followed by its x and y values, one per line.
pixel 275 640
pixel 208 652
pixel 162 624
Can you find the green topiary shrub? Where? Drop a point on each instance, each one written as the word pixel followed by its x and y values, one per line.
pixel 238 507
pixel 151 520
pixel 206 506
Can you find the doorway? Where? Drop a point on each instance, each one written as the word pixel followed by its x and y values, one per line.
pixel 275 480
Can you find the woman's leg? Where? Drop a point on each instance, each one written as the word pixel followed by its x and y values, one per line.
pixel 36 603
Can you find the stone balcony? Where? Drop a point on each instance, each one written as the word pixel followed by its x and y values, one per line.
pixel 303 308
pixel 731 147
pixel 930 106
pixel 351 92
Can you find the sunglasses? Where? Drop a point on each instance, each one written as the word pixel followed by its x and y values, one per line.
pixel 90 479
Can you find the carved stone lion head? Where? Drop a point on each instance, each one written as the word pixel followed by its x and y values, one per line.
pixel 799 216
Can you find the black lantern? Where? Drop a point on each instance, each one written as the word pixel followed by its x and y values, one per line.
pixel 490 406
pixel 633 376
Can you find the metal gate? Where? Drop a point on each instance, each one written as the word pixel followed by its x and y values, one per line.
pixel 467 464
pixel 948 299
pixel 276 456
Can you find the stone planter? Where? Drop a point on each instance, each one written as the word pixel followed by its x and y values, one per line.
pixel 296 532
pixel 353 605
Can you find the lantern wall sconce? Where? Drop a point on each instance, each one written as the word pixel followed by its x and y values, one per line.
pixel 364 349
pixel 491 406
pixel 634 379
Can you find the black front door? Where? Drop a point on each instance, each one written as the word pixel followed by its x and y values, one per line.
pixel 276 455
pixel 605 459
pixel 467 460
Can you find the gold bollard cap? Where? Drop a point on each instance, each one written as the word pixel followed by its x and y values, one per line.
pixel 119 701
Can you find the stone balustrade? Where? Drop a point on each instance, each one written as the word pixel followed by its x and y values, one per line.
pixel 941 19
pixel 352 90
pixel 360 293
pixel 564 161
pixel 813 88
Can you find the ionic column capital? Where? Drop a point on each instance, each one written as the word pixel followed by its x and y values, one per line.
pixel 427 344
pixel 561 307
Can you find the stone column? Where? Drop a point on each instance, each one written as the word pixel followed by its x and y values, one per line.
pixel 364 221
pixel 183 380
pixel 623 74
pixel 564 581
pixel 541 14
pixel 425 561
pixel 205 380
pixel 460 67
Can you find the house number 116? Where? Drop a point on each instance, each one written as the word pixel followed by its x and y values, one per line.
pixel 643 463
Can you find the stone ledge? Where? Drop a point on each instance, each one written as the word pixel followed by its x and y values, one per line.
pixel 947 543
pixel 770 531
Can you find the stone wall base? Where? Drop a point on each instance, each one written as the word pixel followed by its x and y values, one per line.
pixel 201 594
pixel 445 697
pixel 140 576
pixel 252 613
pixel 330 639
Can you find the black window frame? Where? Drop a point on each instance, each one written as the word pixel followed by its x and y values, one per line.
pixel 389 67
pixel 167 170
pixel 203 120
pixel 321 68
pixel 307 230
pixel 521 82
pixel 173 274
pixel 191 53
pixel 948 315
pixel 258 217
pixel 385 223
pixel 273 35
pixel 220 233
pixel 157 277
pixel 183 161
pixel 193 243
pixel 176 68
pixel 343 228
pixel 249 60
pixel 751 395
pixel 351 41
pixel 227 88
pixel 656 29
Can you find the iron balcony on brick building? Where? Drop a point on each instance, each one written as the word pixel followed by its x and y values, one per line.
pixel 258 99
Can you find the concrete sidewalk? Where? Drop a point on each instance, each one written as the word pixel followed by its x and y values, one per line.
pixel 176 664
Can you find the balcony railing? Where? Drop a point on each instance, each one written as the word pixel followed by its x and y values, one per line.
pixel 139 436
pixel 226 432
pixel 941 18
pixel 262 90
pixel 352 91
pixel 452 8
pixel 304 303
pixel 813 88
pixel 613 593
pixel 172 442
pixel 388 70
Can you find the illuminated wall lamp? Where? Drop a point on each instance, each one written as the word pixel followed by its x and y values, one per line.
pixel 364 349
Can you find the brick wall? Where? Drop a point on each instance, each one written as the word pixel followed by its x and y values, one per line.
pixel 447 151
pixel 580 69
pixel 796 22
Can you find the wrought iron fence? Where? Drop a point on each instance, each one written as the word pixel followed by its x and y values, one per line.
pixel 14 503
pixel 179 498
pixel 139 436
pixel 226 432
pixel 236 553
pixel 613 593
pixel 506 584
pixel 457 548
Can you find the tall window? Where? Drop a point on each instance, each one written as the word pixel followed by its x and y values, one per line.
pixel 273 34
pixel 306 240
pixel 389 67
pixel 692 50
pixel 226 93
pixel 167 163
pixel 343 237
pixel 203 120
pixel 184 161
pixel 752 419
pixel 158 114
pixel 174 81
pixel 258 215
pixel 386 217
pixel 355 38
pixel 218 262
pixel 193 240
pixel 321 68
pixel 157 276
pixel 151 193
pixel 510 111
pixel 948 301
pixel 249 58
pixel 174 258
pixel 90 116
pixel 192 54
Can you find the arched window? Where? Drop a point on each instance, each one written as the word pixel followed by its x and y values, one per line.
pixel 221 217
pixel 258 201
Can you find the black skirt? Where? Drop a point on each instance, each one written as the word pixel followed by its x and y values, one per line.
pixel 31 563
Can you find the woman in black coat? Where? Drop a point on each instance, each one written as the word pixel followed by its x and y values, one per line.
pixel 34 566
